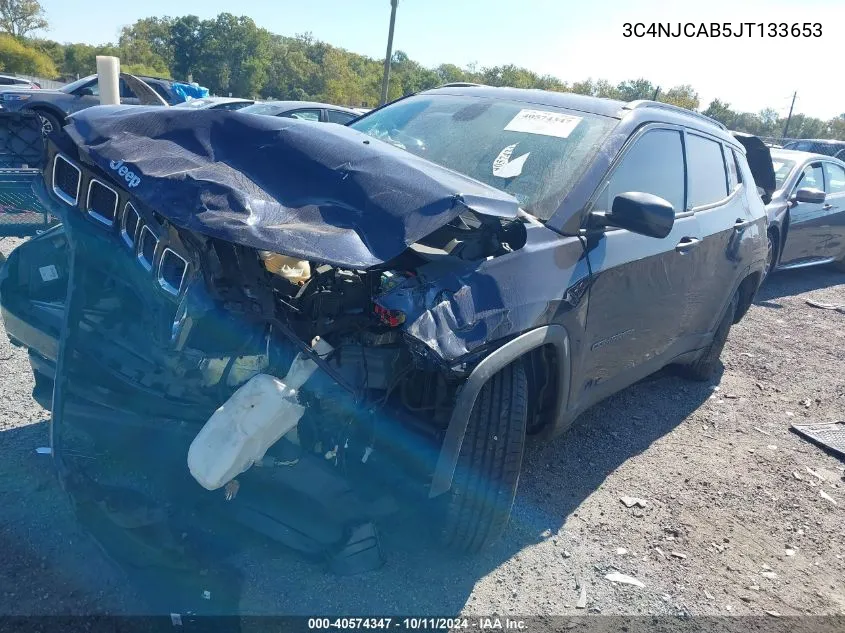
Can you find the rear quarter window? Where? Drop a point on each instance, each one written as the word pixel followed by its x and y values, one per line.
pixel 708 181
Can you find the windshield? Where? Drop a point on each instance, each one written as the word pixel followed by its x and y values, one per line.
pixel 270 109
pixel 782 169
pixel 534 152
pixel 77 84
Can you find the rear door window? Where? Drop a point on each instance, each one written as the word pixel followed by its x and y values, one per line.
pixel 336 116
pixel 305 115
pixel 705 171
pixel 655 165
pixel 834 176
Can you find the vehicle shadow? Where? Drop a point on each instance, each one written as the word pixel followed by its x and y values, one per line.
pixel 420 578
pixel 264 578
pixel 792 282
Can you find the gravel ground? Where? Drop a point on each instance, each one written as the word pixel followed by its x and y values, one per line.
pixel 734 521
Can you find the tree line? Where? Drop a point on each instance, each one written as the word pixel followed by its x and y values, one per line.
pixel 232 55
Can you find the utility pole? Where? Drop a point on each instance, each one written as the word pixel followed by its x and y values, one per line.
pixel 386 79
pixel 789 117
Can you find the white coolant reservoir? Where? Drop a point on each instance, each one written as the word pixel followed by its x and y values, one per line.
pixel 251 421
pixel 296 271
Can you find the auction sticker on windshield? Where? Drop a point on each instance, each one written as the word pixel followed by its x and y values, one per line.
pixel 543 122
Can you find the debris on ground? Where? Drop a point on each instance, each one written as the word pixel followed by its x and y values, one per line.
pixel 624 579
pixel 621 551
pixel 678 555
pixel 827 497
pixel 830 436
pixel 582 599
pixel 769 574
pixel 774 614
pixel 44 450
pixel 826 306
pixel 630 502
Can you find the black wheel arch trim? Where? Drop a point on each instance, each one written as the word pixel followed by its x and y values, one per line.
pixel 555 335
pixel 48 109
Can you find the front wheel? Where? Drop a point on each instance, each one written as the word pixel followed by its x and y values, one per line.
pixel 487 473
pixel 49 123
pixel 703 368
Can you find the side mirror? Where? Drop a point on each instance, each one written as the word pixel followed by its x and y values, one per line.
pixel 811 195
pixel 85 92
pixel 638 212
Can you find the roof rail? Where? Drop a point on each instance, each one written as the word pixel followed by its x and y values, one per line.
pixel 462 84
pixel 648 103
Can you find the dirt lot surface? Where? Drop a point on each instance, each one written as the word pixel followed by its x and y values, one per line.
pixel 734 520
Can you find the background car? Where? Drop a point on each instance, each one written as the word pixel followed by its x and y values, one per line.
pixel 216 103
pixel 828 147
pixel 9 82
pixel 53 106
pixel 306 110
pixel 807 212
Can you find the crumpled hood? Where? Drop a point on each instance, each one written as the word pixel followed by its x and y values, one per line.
pixel 321 192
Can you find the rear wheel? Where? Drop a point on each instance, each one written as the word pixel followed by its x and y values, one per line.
pixel 487 473
pixel 705 366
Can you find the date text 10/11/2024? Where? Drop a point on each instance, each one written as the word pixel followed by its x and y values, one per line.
pixel 422 623
pixel 722 29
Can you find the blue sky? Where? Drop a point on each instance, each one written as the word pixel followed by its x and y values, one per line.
pixel 569 39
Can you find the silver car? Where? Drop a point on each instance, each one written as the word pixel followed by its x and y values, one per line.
pixel 807 212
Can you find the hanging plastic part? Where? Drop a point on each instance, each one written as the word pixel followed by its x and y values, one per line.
pixel 256 416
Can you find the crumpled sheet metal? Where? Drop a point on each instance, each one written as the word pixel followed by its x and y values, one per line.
pixel 321 192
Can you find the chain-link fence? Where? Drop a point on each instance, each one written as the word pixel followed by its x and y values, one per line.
pixel 21 155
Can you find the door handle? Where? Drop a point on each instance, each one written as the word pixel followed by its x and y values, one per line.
pixel 687 244
pixel 741 224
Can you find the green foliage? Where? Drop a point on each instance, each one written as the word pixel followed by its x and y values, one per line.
pixel 231 54
pixel 19 17
pixel 17 57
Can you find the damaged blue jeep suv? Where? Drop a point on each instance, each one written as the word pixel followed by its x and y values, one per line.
pixel 465 268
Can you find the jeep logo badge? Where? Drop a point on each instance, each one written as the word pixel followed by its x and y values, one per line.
pixel 129 176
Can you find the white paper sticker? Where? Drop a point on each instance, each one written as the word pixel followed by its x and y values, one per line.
pixel 48 273
pixel 543 122
pixel 504 167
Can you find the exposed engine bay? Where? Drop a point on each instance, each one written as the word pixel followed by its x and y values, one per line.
pixel 294 357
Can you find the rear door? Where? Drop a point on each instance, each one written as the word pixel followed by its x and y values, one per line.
pixel 809 225
pixel 834 182
pixel 716 196
pixel 639 289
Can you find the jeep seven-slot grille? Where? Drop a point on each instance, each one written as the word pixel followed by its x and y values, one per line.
pixel 129 224
pixel 66 180
pixel 171 271
pixel 147 245
pixel 102 202
pixel 146 233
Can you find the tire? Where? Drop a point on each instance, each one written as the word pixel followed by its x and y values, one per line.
pixel 705 366
pixel 49 122
pixel 487 474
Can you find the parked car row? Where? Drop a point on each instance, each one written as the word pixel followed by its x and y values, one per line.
pixel 807 212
